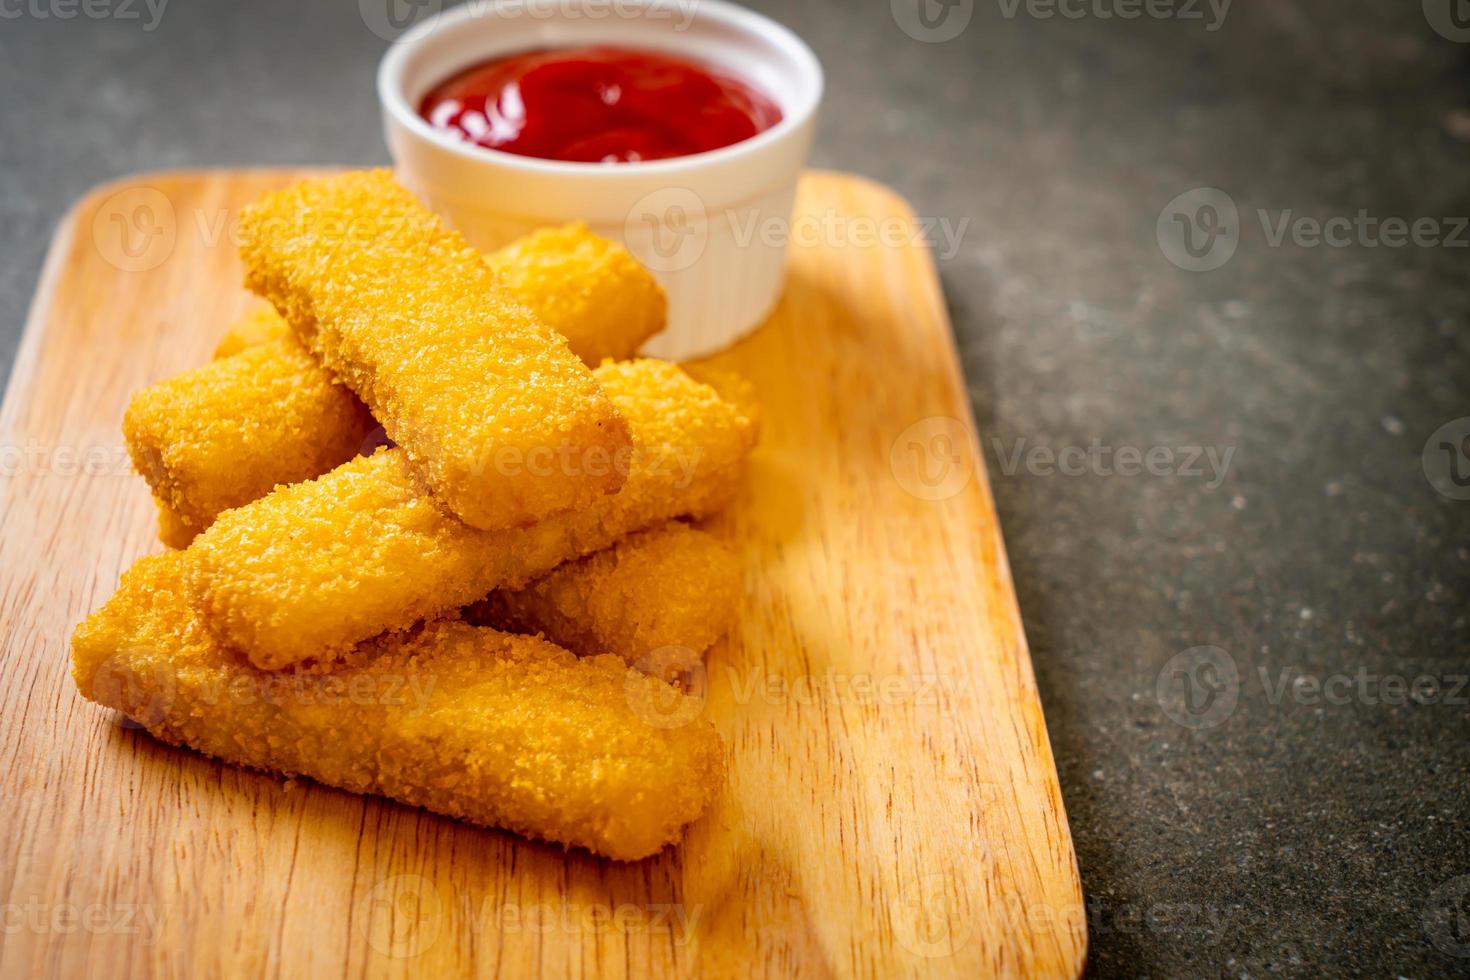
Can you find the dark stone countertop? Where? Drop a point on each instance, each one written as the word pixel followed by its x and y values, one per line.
pixel 1230 818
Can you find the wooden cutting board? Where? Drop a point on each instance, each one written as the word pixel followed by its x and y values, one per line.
pixel 892 807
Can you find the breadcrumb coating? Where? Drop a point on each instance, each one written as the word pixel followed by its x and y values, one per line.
pixel 628 309
pixel 259 326
pixel 315 568
pixel 226 433
pixel 670 587
pixel 500 730
pixel 590 290
pixel 409 317
pixel 585 287
pixel 729 385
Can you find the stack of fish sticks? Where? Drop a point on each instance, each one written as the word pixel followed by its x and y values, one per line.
pixel 429 527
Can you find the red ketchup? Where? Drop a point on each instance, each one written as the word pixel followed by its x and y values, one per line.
pixel 598 105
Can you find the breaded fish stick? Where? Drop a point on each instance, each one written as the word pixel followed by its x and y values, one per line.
pixel 259 326
pixel 585 287
pixel 193 448
pixel 501 730
pixel 226 433
pixel 670 587
pixel 468 382
pixel 311 570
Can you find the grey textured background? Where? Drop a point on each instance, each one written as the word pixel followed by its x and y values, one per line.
pixel 1285 836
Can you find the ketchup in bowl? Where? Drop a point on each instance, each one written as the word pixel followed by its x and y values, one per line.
pixel 598 105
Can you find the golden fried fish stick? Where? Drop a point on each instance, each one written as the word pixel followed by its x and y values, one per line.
pixel 257 327
pixel 586 288
pixel 732 387
pixel 501 730
pixel 311 570
pixel 188 437
pixel 468 382
pixel 196 447
pixel 670 587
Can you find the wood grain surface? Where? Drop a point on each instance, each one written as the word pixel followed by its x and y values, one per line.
pixel 892 807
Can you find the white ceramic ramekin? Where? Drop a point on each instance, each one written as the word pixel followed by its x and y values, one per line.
pixel 712 227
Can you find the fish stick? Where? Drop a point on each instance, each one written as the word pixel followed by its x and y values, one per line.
pixel 312 569
pixel 500 730
pixel 259 326
pixel 188 431
pixel 670 588
pixel 404 312
pixel 729 385
pixel 228 432
pixel 585 287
